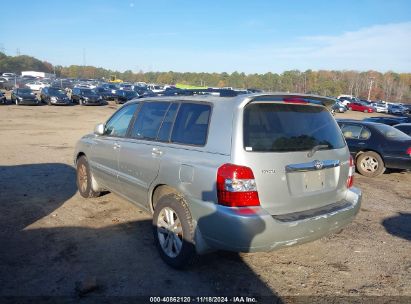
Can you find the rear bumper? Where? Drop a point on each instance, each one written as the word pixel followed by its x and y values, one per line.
pixel 253 229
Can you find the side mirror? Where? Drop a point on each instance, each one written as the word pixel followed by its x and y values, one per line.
pixel 99 129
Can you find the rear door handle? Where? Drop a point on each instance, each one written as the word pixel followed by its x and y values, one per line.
pixel 116 146
pixel 156 152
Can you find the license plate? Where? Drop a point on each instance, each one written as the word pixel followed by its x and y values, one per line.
pixel 314 181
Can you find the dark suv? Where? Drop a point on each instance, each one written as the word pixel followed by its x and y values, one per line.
pixel 84 96
pixel 54 96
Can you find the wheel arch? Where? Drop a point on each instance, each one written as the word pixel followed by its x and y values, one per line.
pixel 368 150
pixel 158 192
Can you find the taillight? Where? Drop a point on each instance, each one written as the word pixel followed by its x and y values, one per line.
pixel 294 100
pixel 236 186
pixel 351 170
pixel 409 151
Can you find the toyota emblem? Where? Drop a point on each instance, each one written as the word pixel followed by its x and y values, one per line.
pixel 318 164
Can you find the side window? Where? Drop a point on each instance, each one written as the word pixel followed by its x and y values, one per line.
pixel 118 124
pixel 191 124
pixel 365 134
pixel 164 133
pixel 351 131
pixel 149 120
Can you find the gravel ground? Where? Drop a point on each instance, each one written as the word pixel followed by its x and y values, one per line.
pixel 55 243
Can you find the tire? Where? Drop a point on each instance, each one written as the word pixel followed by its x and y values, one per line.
pixel 83 179
pixel 365 111
pixel 370 164
pixel 174 238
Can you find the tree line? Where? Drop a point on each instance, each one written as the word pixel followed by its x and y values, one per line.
pixel 388 86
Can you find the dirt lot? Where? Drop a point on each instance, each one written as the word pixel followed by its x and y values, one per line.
pixel 55 243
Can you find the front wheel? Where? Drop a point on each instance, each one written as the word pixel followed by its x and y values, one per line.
pixel 173 231
pixel 370 164
pixel 84 179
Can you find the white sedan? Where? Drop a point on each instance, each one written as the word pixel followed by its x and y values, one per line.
pixel 36 85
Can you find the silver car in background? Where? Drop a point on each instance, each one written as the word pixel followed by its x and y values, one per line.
pixel 249 173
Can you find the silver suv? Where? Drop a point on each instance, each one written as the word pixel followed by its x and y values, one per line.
pixel 248 173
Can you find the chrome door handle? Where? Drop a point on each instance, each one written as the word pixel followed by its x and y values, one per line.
pixel 116 146
pixel 156 152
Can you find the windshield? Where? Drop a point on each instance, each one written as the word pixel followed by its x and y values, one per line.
pixel 391 132
pixel 56 91
pixel 24 91
pixel 87 92
pixel 270 127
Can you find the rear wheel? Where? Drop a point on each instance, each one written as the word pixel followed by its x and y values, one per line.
pixel 370 164
pixel 173 231
pixel 84 179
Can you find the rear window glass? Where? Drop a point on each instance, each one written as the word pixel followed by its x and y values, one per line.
pixel 191 124
pixel 391 132
pixel 272 127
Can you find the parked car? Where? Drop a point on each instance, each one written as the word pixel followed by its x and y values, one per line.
pixel 24 96
pixel 155 88
pixel 404 127
pixel 36 85
pixel 84 96
pixel 54 96
pixel 6 84
pixel 376 146
pixel 3 98
pixel 122 96
pixel 396 109
pixel 339 107
pixel 359 106
pixel 232 175
pixel 388 120
pixel 380 107
pixel 106 94
pixel 346 99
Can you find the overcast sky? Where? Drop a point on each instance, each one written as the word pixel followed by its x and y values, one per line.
pixel 212 36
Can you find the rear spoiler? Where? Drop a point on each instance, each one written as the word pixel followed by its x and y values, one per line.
pixel 297 98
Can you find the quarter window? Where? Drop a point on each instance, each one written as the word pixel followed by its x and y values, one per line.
pixel 191 124
pixel 118 123
pixel 149 120
pixel 351 131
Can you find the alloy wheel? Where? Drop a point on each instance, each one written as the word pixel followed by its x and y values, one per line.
pixel 82 177
pixel 369 164
pixel 170 232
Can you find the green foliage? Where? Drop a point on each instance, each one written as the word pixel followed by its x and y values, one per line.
pixel 17 64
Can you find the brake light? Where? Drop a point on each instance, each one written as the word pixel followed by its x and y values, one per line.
pixel 294 100
pixel 351 170
pixel 236 186
pixel 409 151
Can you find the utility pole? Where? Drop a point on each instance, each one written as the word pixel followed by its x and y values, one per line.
pixel 369 89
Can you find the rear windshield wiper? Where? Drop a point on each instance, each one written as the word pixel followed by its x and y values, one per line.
pixel 315 149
